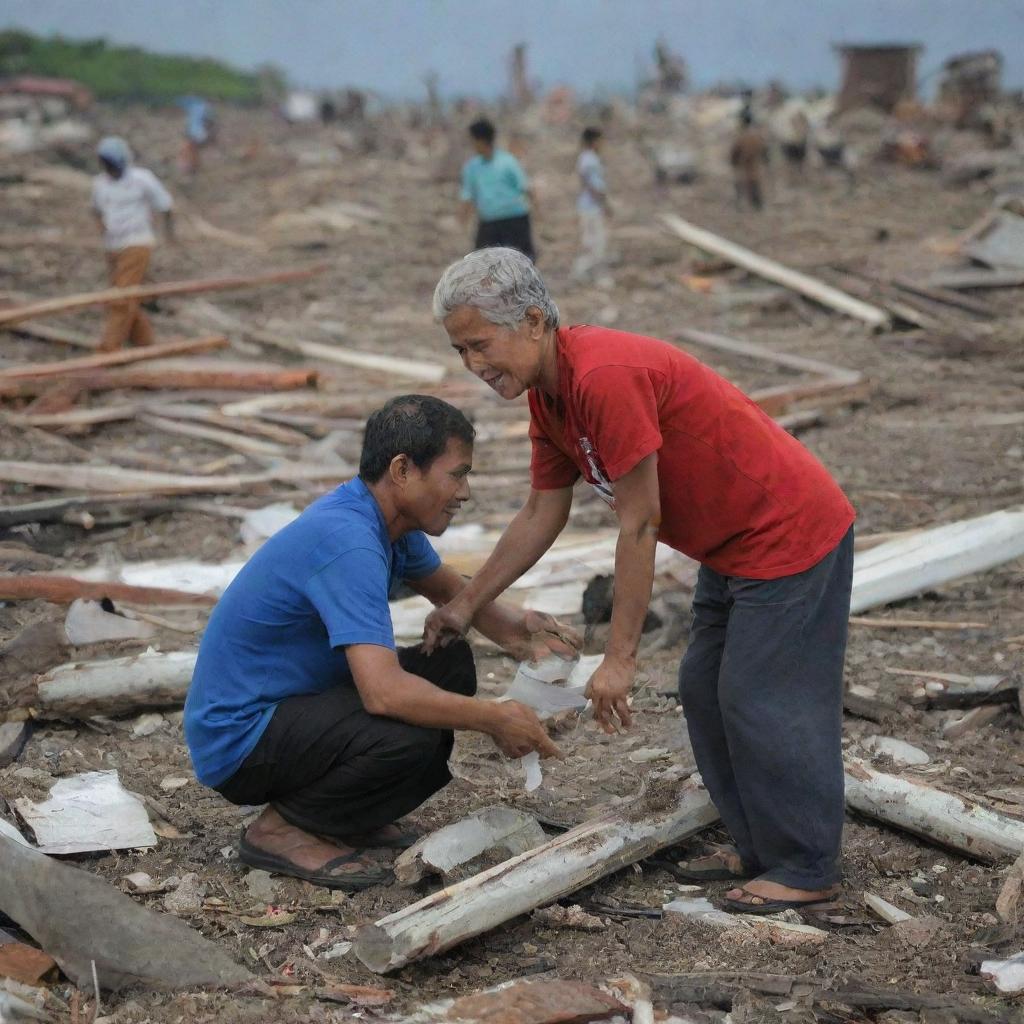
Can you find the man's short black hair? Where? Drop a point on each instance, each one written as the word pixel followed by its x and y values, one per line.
pixel 483 129
pixel 591 135
pixel 419 426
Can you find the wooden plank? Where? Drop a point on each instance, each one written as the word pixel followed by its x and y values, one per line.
pixel 60 335
pixel 119 479
pixel 764 354
pixel 173 374
pixel 907 566
pixel 947 296
pixel 937 624
pixel 776 400
pixel 18 314
pixel 976 277
pixel 79 509
pixel 771 270
pixel 101 360
pixel 65 589
pixel 74 418
pixel 228 438
pixel 215 418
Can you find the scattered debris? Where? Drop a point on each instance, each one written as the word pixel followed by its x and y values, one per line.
pixel 557 916
pixel 884 909
pixel 537 1002
pixel 1008 975
pixel 88 622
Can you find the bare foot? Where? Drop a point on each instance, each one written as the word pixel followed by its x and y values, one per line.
pixel 716 857
pixel 766 890
pixel 270 833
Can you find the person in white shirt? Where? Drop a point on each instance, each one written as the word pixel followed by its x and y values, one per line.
pixel 124 199
pixel 592 208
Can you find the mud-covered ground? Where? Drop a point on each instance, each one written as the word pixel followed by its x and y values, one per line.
pixel 922 449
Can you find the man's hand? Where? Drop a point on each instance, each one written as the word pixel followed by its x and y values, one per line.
pixel 609 688
pixel 517 731
pixel 445 624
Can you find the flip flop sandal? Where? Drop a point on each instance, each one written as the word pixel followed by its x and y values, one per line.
pixel 353 881
pixel 369 840
pixel 764 905
pixel 687 872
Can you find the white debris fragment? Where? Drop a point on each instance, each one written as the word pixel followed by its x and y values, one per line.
pixel 146 725
pixel 260 523
pixel 901 752
pixel 88 812
pixel 87 622
pixel 1008 975
pixel 532 774
pixel 503 828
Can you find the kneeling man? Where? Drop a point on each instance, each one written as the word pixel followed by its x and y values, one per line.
pixel 300 699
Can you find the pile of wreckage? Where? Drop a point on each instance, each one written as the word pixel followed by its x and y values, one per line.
pixel 299 427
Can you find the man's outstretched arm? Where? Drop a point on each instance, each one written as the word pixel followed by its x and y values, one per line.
pixel 528 536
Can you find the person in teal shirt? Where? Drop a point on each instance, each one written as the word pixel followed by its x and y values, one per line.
pixel 495 185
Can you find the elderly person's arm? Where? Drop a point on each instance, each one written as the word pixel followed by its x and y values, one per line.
pixel 638 507
pixel 528 536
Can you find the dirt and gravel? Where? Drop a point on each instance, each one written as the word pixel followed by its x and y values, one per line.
pixel 917 452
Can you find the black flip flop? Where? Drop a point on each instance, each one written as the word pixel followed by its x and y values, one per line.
pixel 354 881
pixel 365 840
pixel 770 906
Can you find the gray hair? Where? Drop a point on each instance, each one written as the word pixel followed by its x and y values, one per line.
pixel 502 283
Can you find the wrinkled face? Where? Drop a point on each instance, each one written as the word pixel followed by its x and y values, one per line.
pixel 431 497
pixel 507 360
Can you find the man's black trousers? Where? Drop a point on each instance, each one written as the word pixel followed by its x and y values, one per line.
pixel 330 767
pixel 761 685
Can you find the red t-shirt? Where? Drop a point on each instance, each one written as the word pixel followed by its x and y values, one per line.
pixel 737 492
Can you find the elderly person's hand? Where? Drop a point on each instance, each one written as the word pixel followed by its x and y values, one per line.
pixel 445 624
pixel 609 688
pixel 543 635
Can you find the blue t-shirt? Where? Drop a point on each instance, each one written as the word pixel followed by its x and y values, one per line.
pixel 282 626
pixel 497 186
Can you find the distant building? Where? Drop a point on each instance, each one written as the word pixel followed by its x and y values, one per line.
pixel 877 76
pixel 969 81
pixel 74 95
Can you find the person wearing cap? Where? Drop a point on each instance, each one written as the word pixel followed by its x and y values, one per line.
pixel 124 199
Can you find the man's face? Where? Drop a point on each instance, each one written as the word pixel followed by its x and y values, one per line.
pixel 482 146
pixel 507 361
pixel 434 495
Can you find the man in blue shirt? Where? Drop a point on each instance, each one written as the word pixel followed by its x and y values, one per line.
pixel 300 699
pixel 495 185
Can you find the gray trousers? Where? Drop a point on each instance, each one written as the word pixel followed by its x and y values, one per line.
pixel 761 685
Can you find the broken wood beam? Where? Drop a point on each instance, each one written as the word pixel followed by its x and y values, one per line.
pixel 936 624
pixel 771 270
pixel 172 374
pixel 977 718
pixel 17 314
pixel 776 401
pixel 951 821
pixel 115 686
pixel 540 876
pixel 101 360
pixel 65 589
pixel 906 566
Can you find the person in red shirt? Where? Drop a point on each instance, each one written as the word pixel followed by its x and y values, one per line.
pixel 682 456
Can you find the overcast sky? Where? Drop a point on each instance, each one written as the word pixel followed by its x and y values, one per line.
pixel 388 45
